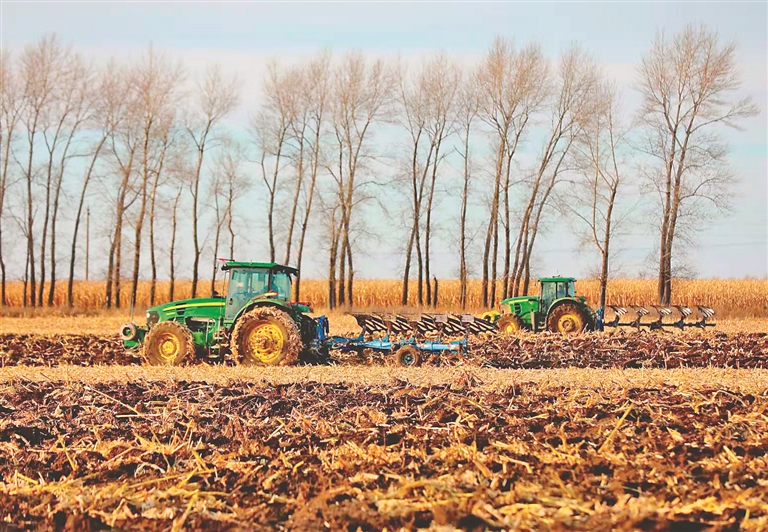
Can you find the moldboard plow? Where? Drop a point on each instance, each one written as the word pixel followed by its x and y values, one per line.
pixel 660 317
pixel 412 338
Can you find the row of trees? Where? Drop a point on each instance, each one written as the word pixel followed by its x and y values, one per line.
pixel 505 144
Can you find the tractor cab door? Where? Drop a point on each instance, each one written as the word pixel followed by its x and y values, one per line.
pixel 244 284
pixel 551 291
pixel 548 295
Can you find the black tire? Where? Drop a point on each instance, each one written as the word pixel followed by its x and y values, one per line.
pixel 568 318
pixel 168 344
pixel 408 356
pixel 510 324
pixel 266 336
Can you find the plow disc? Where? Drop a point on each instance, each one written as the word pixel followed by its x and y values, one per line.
pixel 659 317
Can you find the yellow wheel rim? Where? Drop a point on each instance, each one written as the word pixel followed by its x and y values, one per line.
pixel 169 346
pixel 510 328
pixel 569 323
pixel 265 342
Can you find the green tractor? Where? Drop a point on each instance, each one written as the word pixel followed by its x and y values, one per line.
pixel 556 309
pixel 255 322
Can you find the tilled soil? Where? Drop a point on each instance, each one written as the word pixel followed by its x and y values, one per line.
pixel 528 351
pixel 160 456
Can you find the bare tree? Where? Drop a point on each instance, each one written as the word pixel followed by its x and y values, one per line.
pixel 362 95
pixel 468 109
pixel 227 187
pixel 42 66
pixel 156 83
pixel 74 105
pixel 309 127
pixel 569 109
pixel 271 128
pixel 513 85
pixel 216 97
pixel 687 83
pixel 10 114
pixel 427 100
pixel 105 115
pixel 591 198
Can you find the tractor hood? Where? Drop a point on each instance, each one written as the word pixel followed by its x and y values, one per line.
pixel 201 306
pixel 520 299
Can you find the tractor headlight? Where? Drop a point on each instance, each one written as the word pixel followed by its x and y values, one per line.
pixel 152 318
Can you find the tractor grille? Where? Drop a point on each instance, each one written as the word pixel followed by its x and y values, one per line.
pixel 516 308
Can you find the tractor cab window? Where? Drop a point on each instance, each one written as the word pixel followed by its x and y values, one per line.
pixel 550 291
pixel 281 283
pixel 565 289
pixel 244 284
pixel 548 295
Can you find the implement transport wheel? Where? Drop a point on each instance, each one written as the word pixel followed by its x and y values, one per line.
pixel 408 356
pixel 509 324
pixel 266 336
pixel 168 344
pixel 568 318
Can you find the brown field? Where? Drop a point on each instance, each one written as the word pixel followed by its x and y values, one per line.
pixel 602 431
pixel 729 297
pixel 629 450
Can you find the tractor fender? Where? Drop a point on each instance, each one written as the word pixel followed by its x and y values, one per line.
pixel 262 302
pixel 557 302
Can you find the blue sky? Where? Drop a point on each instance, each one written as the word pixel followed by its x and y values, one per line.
pixel 243 36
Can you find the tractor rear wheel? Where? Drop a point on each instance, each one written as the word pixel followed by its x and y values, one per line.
pixel 509 324
pixel 567 318
pixel 168 344
pixel 408 356
pixel 266 336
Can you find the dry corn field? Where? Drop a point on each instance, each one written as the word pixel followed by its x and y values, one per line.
pixel 729 297
pixel 601 431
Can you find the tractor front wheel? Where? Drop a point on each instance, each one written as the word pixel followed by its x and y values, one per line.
pixel 266 336
pixel 168 344
pixel 509 324
pixel 567 318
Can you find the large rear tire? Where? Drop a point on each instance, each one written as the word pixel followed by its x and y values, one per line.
pixel 509 324
pixel 168 344
pixel 568 318
pixel 266 336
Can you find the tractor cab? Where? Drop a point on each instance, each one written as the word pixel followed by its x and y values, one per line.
pixel 255 280
pixel 554 288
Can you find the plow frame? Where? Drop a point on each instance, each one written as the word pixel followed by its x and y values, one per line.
pixel 399 331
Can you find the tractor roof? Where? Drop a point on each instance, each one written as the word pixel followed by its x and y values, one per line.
pixel 557 279
pixel 267 265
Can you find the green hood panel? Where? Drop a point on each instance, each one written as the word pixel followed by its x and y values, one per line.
pixel 520 299
pixel 202 307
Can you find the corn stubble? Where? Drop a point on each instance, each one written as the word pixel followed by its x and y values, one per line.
pixel 643 349
pixel 193 455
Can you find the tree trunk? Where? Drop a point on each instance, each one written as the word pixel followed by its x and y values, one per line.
pixel 78 217
pixel 172 265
